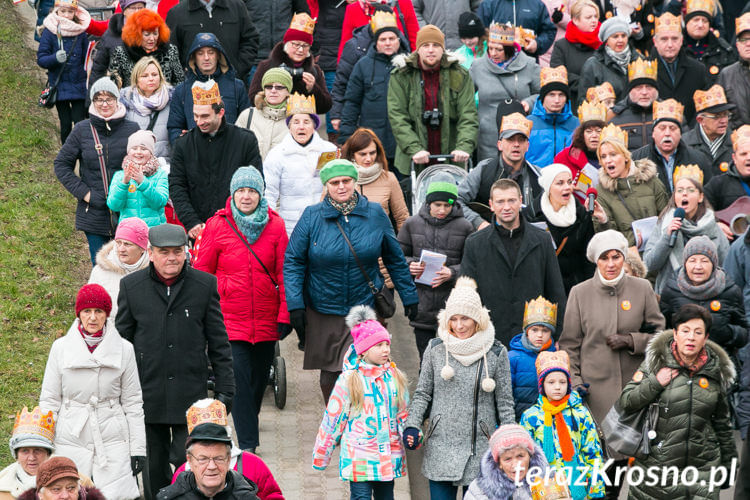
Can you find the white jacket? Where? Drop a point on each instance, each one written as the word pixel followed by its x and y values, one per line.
pixel 268 125
pixel 97 404
pixel 292 179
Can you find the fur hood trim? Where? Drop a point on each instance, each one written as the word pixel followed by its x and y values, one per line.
pixel 641 171
pixel 401 61
pixel 89 493
pixel 103 260
pixel 494 483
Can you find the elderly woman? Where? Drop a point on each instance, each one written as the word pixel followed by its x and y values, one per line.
pixel 322 276
pixel 292 168
pixel 664 250
pixel 267 120
pixel 91 386
pixel 687 375
pixel 146 34
pixel 106 130
pixel 58 478
pixel 30 444
pixel 244 245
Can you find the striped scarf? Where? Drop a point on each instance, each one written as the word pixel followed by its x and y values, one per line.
pixel 554 409
pixel 714 145
pixel 92 339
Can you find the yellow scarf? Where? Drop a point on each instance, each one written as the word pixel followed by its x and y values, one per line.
pixel 555 408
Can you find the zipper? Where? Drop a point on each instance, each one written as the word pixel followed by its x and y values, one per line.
pixel 690 416
pixel 476 404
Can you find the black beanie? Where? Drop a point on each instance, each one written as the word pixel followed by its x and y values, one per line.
pixel 469 25
pixel 554 86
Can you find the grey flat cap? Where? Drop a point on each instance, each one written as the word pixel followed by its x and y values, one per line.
pixel 167 235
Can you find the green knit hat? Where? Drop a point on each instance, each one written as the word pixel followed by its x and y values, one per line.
pixel 441 191
pixel 337 168
pixel 277 75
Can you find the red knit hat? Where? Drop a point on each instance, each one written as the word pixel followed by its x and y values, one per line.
pixel 93 296
pixel 300 29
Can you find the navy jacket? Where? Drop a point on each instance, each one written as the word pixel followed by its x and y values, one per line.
pixel 72 84
pixel 531 14
pixel 523 374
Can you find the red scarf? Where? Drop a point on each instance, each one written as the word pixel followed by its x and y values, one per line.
pixel 88 337
pixel 589 39
pixel 699 362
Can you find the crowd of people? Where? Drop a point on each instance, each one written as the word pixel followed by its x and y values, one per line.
pixel 246 169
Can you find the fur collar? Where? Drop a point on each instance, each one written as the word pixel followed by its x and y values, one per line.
pixel 103 260
pixel 641 171
pixel 90 493
pixel 495 483
pixel 401 61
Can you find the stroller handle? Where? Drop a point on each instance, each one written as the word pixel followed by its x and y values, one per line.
pixel 443 158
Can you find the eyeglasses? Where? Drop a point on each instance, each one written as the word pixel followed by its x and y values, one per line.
pixel 277 88
pixel 690 190
pixel 219 461
pixel 299 45
pixel 744 39
pixel 107 100
pixel 717 116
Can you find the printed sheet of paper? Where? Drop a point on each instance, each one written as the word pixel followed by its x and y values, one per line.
pixel 433 263
pixel 642 229
pixel 587 177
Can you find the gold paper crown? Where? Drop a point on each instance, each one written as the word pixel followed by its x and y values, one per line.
pixel 688 172
pixel 382 20
pixel 742 23
pixel 668 110
pixel 668 23
pixel 641 68
pixel 524 36
pixel 300 104
pixel 613 133
pixel 554 489
pixel 206 92
pixel 740 135
pixel 302 22
pixel 709 98
pixel 35 423
pixel 539 310
pixel 502 33
pixel 706 6
pixel 547 360
pixel 214 413
pixel 66 3
pixel 600 92
pixel 516 121
pixel 550 75
pixel 595 111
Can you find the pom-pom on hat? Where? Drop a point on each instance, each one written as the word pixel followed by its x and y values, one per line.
pixel 133 230
pixel 548 362
pixel 366 329
pixel 93 296
pixel 509 436
pixel 464 300
pixel 337 168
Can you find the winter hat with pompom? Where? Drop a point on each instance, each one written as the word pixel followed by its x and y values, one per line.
pixel 366 329
pixel 509 436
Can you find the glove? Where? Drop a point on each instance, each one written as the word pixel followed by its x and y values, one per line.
pixel 411 432
pixel 137 464
pixel 297 319
pixel 618 341
pixel 284 330
pixel 226 399
pixel 583 390
pixel 557 15
pixel 61 56
pixel 411 311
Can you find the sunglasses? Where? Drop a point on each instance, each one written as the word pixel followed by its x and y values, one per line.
pixel 277 88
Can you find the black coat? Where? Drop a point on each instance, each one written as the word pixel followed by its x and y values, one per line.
pixel 202 168
pixel 685 156
pixel 175 332
pixel 637 121
pixel 644 15
pixel 573 56
pixel 724 189
pixel 275 16
pixel 184 488
pixel 505 288
pixel 94 216
pixel 601 68
pixel 690 76
pixel 735 79
pixel 717 56
pixel 109 40
pixel 694 140
pixel 327 36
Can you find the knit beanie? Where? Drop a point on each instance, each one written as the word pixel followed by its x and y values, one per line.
pixel 144 138
pixel 104 84
pixel 366 329
pixel 430 33
pixel 548 362
pixel 277 75
pixel 604 242
pixel 93 296
pixel 442 188
pixel 701 245
pixel 133 230
pixel 465 300
pixel 469 25
pixel 614 24
pixel 509 436
pixel 549 173
pixel 300 29
pixel 337 168
pixel 552 79
pixel 247 177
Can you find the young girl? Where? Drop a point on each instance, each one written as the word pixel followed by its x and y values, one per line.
pixel 63 43
pixel 141 188
pixel 366 412
pixel 563 426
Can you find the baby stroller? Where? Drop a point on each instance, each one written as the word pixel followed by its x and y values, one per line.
pixel 419 183
pixel 277 379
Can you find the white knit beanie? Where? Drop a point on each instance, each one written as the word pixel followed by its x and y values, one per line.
pixel 549 173
pixel 604 242
pixel 465 300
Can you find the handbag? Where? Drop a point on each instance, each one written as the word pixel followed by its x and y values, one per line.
pixel 276 285
pixel 385 303
pixel 630 433
pixel 48 97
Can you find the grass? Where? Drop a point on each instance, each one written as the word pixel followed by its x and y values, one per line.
pixel 43 260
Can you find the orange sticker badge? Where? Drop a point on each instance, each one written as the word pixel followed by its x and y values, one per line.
pixel 714 70
pixel 638 7
pixel 625 305
pixel 703 382
pixel 608 14
pixel 638 376
pixel 132 188
pixel 723 166
pixel 650 18
pixel 715 305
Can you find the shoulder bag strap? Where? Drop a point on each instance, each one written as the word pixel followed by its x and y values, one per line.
pixel 100 155
pixel 243 240
pixel 152 120
pixel 249 118
pixel 625 205
pixel 356 259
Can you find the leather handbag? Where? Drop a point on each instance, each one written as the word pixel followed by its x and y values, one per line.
pixel 630 433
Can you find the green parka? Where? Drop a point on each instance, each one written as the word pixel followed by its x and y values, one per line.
pixel 460 122
pixel 693 428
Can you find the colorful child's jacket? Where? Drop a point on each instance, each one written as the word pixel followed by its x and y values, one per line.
pixel 371 448
pixel 523 374
pixel 585 439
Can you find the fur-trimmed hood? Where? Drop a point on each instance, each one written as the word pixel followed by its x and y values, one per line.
pixel 86 492
pixel 641 171
pixel 401 61
pixel 494 483
pixel 105 262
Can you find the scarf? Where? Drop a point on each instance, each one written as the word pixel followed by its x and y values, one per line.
pixel 149 168
pixel 693 367
pixel 119 113
pixel 368 174
pixel 554 409
pixel 344 207
pixel 712 287
pixel 588 38
pixel 92 339
pixel 68 27
pixel 144 106
pixel 565 217
pixel 621 58
pixel 506 63
pixel 251 225
pixel 714 145
pixel 128 268
pixel 467 351
pixel 531 347
pixel 706 225
pixel 614 281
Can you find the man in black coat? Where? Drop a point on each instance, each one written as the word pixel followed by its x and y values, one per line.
pixel 170 312
pixel 634 114
pixel 735 78
pixel 711 135
pixel 724 189
pixel 272 18
pixel 703 43
pixel 512 261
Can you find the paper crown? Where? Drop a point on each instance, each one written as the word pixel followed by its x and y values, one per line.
pixel 668 110
pixel 706 6
pixel 595 111
pixel 539 310
pixel 66 3
pixel 206 92
pixel 502 33
pixel 35 423
pixel 668 23
pixel 550 360
pixel 742 23
pixel 600 92
pixel 740 135
pixel 302 22
pixel 200 413
pixel 688 172
pixel 709 98
pixel 641 68
pixel 516 121
pixel 523 35
pixel 551 489
pixel 552 75
pixel 381 20
pixel 613 133
pixel 300 104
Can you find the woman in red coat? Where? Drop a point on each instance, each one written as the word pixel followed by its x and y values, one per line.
pixel 359 12
pixel 244 245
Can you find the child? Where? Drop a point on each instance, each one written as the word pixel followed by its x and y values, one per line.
pixel 539 320
pixel 563 426
pixel 62 48
pixel 366 412
pixel 141 188
pixel 473 36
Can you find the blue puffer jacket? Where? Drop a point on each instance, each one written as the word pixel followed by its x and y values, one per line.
pixel 531 14
pixel 320 271
pixel 72 84
pixel 523 374
pixel 550 134
pixel 232 89
pixel 145 201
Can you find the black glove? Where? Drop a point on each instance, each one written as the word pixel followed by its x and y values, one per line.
pixel 411 432
pixel 583 390
pixel 297 319
pixel 411 311
pixel 137 464
pixel 284 330
pixel 557 15
pixel 226 399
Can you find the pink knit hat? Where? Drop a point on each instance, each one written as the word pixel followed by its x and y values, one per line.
pixel 366 329
pixel 510 436
pixel 134 230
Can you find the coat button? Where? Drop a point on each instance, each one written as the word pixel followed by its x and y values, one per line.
pixel 171 377
pixel 611 294
pixel 170 346
pixel 170 314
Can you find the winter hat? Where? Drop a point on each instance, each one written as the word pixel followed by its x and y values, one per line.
pixel 442 188
pixel 548 362
pixel 430 33
pixel 144 138
pixel 614 24
pixel 465 300
pixel 366 329
pixel 701 245
pixel 469 25
pixel 133 230
pixel 53 469
pixel 337 168
pixel 209 431
pixel 33 429
pixel 549 173
pixel 509 436
pixel 93 296
pixel 167 235
pixel 104 84
pixel 247 177
pixel 553 79
pixel 604 242
pixel 66 3
pixel 300 29
pixel 277 75
pixel 124 4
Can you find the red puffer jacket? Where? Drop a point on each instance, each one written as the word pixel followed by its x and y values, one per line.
pixel 251 305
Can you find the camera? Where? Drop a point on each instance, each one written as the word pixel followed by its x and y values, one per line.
pixel 295 72
pixel 432 118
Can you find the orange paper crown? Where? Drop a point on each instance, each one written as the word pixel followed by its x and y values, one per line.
pixel 502 33
pixel 555 488
pixel 595 111
pixel 641 68
pixel 516 121
pixel 302 22
pixel 524 36
pixel 66 3
pixel 550 75
pixel 613 133
pixel 539 310
pixel 206 411
pixel 688 172
pixel 600 92
pixel 547 360
pixel 668 110
pixel 206 92
pixel 742 23
pixel 706 6
pixel 300 104
pixel 709 98
pixel 382 20
pixel 35 423
pixel 740 135
pixel 668 23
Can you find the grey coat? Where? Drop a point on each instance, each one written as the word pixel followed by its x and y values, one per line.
pixel 450 452
pixel 519 80
pixel 444 14
pixel 735 79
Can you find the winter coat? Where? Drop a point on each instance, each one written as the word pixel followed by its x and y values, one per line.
pixel 185 488
pixel 690 76
pixel 724 189
pixel 320 271
pixel 492 483
pixel 232 89
pixel 736 267
pixel 86 493
pixel 109 40
pixel 387 191
pixel 523 374
pixel 717 56
pixel 108 272
pixel 229 21
pixel 271 20
pixel 279 57
pixel 370 440
pixel 446 236
pixel 175 331
pixel 462 415
pixel 643 193
pixel 163 148
pixel 330 19
pixel 459 124
pixel 735 79
pixel 406 21
pixel 637 121
pixel 684 155
pixel 72 85
pixel 583 434
pixel 293 178
pixel 644 14
pixel 468 55
pixel 251 304
pixel 94 216
pixel 444 14
pixel 693 428
pixel 505 287
pixel 573 56
pixel 96 401
pixel 530 14
pixel 199 176
pixel 518 80
pixel 742 408
pixel 694 139
pixel 124 57
pixel 596 311
pixel 550 133
pixel 600 68
pixel 267 123
pixel 145 200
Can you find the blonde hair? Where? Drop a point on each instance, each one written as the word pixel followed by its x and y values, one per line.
pixel 576 10
pixel 356 388
pixel 618 147
pixel 140 67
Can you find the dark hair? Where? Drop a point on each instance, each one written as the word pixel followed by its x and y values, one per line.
pixel 218 106
pixel 359 140
pixel 702 206
pixel 691 311
pixel 578 140
pixel 503 185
